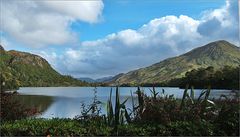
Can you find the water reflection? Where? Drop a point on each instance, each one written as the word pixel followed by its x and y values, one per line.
pixel 41 103
pixel 65 102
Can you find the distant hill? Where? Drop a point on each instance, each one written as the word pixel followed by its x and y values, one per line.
pixel 109 79
pixel 101 80
pixel 104 79
pixel 31 70
pixel 216 54
pixel 89 80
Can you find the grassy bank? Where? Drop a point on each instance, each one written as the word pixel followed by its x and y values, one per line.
pixel 65 127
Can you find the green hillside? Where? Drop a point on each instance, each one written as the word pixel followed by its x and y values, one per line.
pixel 216 54
pixel 25 69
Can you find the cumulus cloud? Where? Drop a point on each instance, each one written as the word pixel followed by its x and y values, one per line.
pixel 129 49
pixel 44 23
pixel 158 39
pixel 89 11
pixel 221 23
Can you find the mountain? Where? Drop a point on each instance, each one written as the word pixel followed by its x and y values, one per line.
pixel 101 80
pixel 104 79
pixel 86 79
pixel 216 54
pixel 27 69
pixel 109 79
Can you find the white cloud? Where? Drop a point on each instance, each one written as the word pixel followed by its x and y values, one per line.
pixel 160 38
pixel 129 37
pixel 6 43
pixel 89 11
pixel 221 23
pixel 44 23
pixel 131 49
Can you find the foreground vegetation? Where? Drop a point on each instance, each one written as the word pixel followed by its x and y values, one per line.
pixel 158 115
pixel 68 127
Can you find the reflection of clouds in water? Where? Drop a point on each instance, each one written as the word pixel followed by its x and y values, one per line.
pixel 67 100
pixel 63 107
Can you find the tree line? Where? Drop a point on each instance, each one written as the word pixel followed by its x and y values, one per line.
pixel 224 78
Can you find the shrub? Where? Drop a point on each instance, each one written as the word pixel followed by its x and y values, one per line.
pixel 11 109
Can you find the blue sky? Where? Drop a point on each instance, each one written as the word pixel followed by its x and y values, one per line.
pixel 131 14
pixel 103 38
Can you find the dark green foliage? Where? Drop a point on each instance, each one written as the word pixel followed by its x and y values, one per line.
pixel 140 106
pixel 227 122
pixel 186 128
pixel 94 127
pixel 68 127
pixel 117 109
pixel 184 97
pixel 110 110
pixel 154 93
pixel 225 78
pixel 120 115
pixel 42 127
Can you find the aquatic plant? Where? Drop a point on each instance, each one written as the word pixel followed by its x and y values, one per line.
pixel 120 113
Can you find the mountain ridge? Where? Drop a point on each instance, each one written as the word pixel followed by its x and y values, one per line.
pixel 214 54
pixel 101 80
pixel 30 70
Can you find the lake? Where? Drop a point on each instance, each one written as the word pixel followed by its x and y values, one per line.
pixel 65 102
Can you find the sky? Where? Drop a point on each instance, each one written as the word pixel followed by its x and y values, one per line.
pixel 104 38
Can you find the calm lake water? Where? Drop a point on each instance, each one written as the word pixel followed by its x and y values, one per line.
pixel 65 102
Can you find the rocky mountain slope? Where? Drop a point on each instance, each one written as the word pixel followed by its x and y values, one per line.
pixel 216 54
pixel 31 70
